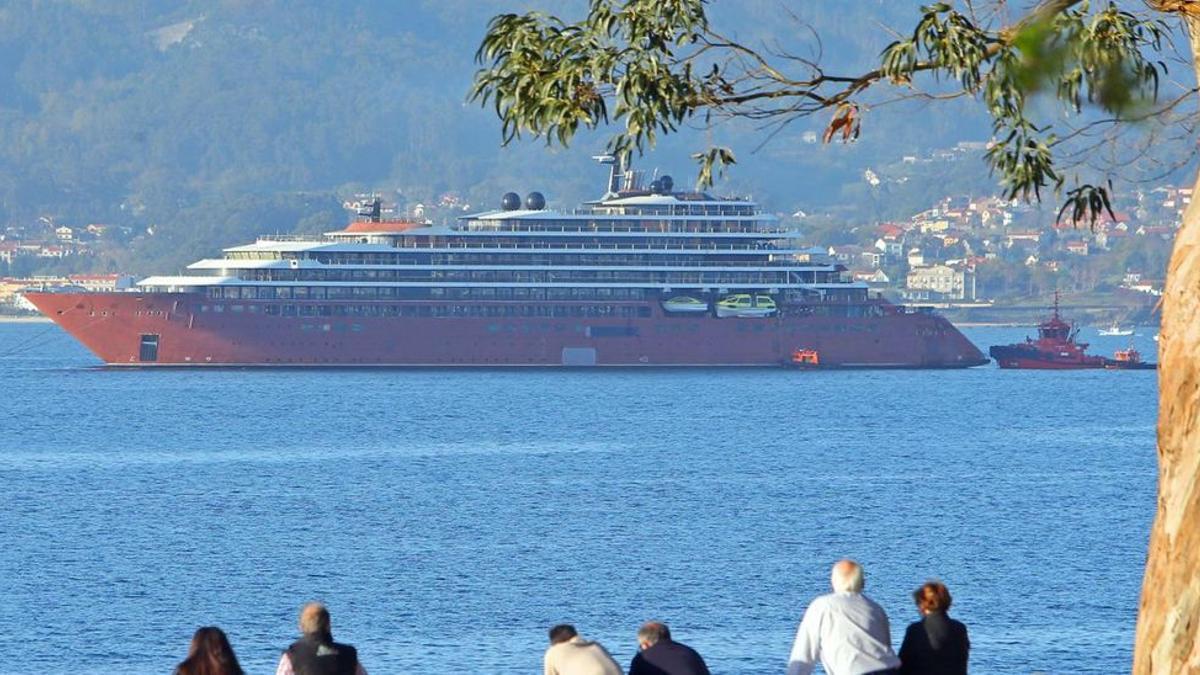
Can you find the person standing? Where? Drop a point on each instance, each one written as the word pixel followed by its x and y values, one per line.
pixel 570 654
pixel 209 654
pixel 315 653
pixel 845 630
pixel 937 644
pixel 660 655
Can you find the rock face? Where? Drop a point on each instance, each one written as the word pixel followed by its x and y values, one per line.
pixel 1168 631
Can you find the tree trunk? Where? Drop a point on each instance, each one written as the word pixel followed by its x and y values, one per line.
pixel 1168 629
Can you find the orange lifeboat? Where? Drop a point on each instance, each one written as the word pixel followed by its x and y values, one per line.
pixel 806 358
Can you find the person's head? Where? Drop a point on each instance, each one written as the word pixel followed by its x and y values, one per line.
pixel 932 596
pixel 651 633
pixel 561 633
pixel 847 577
pixel 209 654
pixel 314 620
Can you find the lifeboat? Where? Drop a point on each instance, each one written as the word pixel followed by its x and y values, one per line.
pixel 745 305
pixel 684 304
pixel 806 358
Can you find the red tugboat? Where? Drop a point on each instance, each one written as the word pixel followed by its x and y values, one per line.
pixel 1057 349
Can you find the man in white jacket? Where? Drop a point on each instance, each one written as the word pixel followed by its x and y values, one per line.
pixel 844 630
pixel 570 654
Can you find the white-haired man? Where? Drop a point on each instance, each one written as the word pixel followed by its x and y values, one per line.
pixel 315 653
pixel 844 630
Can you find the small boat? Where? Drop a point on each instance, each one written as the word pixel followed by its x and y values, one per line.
pixel 685 304
pixel 745 305
pixel 1115 329
pixel 1128 359
pixel 806 358
pixel 1157 337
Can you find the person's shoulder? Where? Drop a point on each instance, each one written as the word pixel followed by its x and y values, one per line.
pixel 823 600
pixel 871 603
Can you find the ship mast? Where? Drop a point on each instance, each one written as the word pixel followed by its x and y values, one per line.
pixel 616 173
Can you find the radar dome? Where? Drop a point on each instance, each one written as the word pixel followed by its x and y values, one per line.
pixel 535 201
pixel 511 201
pixel 667 183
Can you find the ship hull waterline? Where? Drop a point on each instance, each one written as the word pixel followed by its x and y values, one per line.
pixel 188 330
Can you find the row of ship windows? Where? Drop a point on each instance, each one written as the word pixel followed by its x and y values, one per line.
pixel 492 260
pixel 548 311
pixel 542 276
pixel 519 247
pixel 436 311
pixel 643 224
pixel 385 293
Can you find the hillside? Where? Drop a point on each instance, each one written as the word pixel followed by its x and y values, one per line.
pixel 208 122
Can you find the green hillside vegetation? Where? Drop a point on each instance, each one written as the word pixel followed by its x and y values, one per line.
pixel 198 124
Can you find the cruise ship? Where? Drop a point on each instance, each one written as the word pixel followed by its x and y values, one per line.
pixel 647 275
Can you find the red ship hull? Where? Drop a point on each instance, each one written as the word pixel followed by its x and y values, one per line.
pixel 160 329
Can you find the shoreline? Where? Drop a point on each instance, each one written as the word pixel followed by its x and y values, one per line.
pixel 991 324
pixel 24 319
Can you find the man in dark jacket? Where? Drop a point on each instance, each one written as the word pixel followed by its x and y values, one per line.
pixel 315 653
pixel 660 655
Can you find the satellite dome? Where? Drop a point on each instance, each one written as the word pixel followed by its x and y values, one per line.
pixel 535 201
pixel 511 201
pixel 667 184
pixel 655 187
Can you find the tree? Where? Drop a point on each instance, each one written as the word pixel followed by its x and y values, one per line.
pixel 649 66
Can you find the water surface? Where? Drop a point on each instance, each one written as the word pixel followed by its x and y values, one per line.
pixel 448 517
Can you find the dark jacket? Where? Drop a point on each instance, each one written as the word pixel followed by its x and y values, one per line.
pixel 667 657
pixel 935 645
pixel 320 655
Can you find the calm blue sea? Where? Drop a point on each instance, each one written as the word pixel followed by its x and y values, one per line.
pixel 449 517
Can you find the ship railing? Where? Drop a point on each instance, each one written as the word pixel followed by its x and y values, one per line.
pixel 491 226
pixel 650 210
pixel 294 237
pixel 540 246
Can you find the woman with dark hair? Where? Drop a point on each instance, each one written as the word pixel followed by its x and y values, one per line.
pixel 209 654
pixel 937 644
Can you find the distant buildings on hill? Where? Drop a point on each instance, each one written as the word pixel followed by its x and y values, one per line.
pixel 12 287
pixel 936 254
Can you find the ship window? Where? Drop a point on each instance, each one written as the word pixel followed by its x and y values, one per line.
pixel 273 310
pixel 148 348
pixel 237 308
